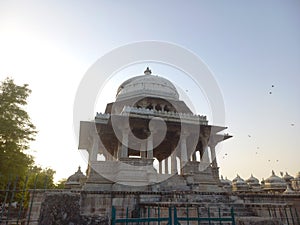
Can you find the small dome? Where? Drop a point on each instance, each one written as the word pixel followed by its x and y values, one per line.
pixel 252 180
pixel 287 177
pixel 225 182
pixel 288 191
pixel 253 183
pixel 238 178
pixel 76 177
pixel 275 183
pixel 238 184
pixel 274 179
pixel 147 86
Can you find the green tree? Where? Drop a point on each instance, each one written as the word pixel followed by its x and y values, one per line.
pixel 61 184
pixel 40 178
pixel 16 131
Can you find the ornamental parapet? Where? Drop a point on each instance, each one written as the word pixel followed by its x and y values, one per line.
pixel 102 117
pixel 167 115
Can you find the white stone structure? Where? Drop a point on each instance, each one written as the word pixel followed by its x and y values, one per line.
pixel 149 122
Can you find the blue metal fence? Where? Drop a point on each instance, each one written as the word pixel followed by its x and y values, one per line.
pixel 172 218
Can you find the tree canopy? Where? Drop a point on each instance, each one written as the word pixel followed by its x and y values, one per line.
pixel 16 133
pixel 16 130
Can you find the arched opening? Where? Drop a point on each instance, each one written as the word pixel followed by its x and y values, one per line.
pixel 101 157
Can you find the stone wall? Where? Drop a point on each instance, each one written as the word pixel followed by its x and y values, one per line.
pixel 63 208
pixel 284 208
pixel 94 207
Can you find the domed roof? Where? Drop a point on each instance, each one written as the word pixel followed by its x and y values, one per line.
pixel 238 179
pixel 238 184
pixel 287 177
pixel 274 179
pixel 274 183
pixel 252 180
pixel 76 177
pixel 225 181
pixel 288 191
pixel 147 86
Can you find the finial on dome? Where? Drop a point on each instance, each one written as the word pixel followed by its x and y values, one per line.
pixel 147 71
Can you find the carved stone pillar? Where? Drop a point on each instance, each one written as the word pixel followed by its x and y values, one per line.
pixel 205 156
pixel 143 150
pixel 160 167
pixel 119 150
pixel 213 155
pixel 115 156
pixel 183 152
pixel 214 165
pixel 167 165
pixel 95 149
pixel 124 150
pixel 173 163
pixel 194 158
pixel 204 163
pixel 108 156
pixel 150 147
pixel 154 105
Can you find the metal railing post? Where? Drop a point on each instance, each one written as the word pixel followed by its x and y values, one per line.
pixel 22 200
pixel 286 215
pixel 31 202
pixel 5 199
pixel 220 216
pixel 232 216
pixel 208 212
pixel 113 215
pixel 297 217
pixel 127 215
pixel 11 199
pixel 187 215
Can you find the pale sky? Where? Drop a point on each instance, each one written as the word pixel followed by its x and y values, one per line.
pixel 248 46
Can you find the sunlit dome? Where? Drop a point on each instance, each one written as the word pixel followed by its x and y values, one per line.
pixel 226 183
pixel 253 183
pixel 239 184
pixel 252 180
pixel 275 183
pixel 147 85
pixel 289 191
pixel 76 177
pixel 287 177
